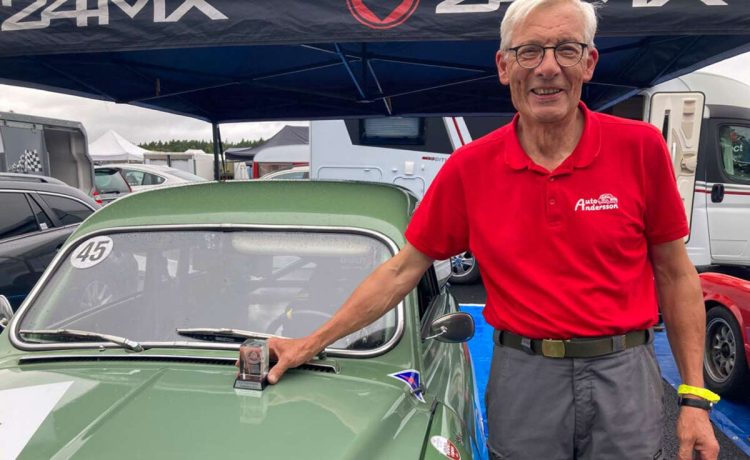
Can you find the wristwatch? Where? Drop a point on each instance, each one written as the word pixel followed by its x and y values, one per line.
pixel 699 403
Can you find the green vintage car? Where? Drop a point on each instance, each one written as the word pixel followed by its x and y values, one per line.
pixel 126 348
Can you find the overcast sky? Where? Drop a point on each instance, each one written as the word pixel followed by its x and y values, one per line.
pixel 142 125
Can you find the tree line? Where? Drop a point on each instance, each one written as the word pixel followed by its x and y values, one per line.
pixel 176 145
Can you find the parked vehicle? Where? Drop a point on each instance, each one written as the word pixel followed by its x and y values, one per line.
pixel 298 172
pixel 195 162
pixel 727 355
pixel 46 146
pixel 145 176
pixel 404 151
pixel 137 327
pixel 705 120
pixel 38 214
pixel 110 185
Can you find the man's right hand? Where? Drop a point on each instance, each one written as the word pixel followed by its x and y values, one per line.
pixel 289 353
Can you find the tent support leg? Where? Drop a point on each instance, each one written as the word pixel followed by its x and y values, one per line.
pixel 217 144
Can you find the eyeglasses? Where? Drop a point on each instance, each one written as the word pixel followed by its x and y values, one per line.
pixel 567 54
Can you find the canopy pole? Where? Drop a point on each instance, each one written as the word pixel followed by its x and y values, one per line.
pixel 217 144
pixel 349 70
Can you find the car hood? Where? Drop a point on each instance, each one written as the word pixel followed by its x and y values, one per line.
pixel 175 410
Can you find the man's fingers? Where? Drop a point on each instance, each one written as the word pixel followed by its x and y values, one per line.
pixel 685 452
pixel 274 375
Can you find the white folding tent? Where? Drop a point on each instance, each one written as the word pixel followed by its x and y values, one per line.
pixel 111 147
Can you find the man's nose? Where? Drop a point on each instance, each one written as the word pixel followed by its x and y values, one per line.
pixel 549 65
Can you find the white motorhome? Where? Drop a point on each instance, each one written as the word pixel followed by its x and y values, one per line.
pixel 705 119
pixel 46 146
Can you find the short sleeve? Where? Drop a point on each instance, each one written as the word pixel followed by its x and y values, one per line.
pixel 665 218
pixel 439 227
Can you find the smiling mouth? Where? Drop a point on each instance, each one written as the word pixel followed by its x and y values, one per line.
pixel 545 91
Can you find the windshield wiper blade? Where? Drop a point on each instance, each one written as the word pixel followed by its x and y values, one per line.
pixel 84 335
pixel 221 334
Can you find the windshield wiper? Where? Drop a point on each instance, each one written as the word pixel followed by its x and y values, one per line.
pixel 225 334
pixel 221 334
pixel 84 335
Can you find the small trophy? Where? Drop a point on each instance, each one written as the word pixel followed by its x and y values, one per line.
pixel 253 371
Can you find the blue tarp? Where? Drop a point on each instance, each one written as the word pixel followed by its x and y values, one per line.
pixel 236 60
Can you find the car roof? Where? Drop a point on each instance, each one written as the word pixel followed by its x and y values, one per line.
pixel 145 167
pixel 53 187
pixel 283 203
pixel 35 178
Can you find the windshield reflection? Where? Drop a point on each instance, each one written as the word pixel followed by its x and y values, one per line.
pixel 145 285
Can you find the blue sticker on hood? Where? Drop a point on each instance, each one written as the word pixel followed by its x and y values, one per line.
pixel 411 377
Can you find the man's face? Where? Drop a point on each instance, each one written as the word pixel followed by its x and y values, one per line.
pixel 549 93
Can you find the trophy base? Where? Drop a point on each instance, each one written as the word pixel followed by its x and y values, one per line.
pixel 250 384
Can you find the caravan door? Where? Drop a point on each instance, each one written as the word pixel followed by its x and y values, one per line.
pixel 727 189
pixel 679 116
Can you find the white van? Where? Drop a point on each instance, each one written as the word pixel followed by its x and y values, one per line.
pixel 705 119
pixel 46 146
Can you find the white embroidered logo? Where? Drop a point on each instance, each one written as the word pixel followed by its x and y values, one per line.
pixel 604 202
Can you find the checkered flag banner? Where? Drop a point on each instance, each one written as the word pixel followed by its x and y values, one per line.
pixel 28 163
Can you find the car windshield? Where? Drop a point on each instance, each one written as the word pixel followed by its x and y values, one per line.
pixel 110 181
pixel 145 285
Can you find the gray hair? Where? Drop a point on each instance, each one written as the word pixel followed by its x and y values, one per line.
pixel 520 10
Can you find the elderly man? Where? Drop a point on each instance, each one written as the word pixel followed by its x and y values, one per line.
pixel 577 223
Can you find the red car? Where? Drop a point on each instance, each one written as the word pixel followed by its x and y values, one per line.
pixel 725 364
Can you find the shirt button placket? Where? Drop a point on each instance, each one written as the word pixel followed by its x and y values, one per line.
pixel 553 207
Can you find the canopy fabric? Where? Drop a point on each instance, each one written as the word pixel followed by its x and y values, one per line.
pixel 110 146
pixel 235 60
pixel 287 136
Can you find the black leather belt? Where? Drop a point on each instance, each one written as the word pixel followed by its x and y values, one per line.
pixel 573 348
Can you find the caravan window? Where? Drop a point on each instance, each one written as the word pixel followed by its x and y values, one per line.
pixel 735 151
pixel 392 130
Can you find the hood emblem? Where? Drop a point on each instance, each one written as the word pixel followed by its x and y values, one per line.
pixel 411 378
pixel 445 447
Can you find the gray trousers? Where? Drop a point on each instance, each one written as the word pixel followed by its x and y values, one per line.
pixel 594 409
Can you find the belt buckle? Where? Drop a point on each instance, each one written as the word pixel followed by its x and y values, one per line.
pixel 552 348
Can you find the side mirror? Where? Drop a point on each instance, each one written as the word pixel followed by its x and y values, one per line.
pixel 452 328
pixel 6 312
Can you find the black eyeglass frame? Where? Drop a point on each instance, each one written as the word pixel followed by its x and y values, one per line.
pixel 544 49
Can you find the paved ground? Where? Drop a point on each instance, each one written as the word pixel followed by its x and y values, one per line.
pixel 729 451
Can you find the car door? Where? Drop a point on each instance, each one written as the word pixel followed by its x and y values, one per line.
pixel 28 242
pixel 140 180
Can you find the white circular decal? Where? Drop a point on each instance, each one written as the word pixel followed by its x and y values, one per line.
pixel 91 252
pixel 445 447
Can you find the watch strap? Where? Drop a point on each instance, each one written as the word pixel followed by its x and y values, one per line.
pixel 699 403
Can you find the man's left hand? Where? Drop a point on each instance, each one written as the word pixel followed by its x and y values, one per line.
pixel 695 434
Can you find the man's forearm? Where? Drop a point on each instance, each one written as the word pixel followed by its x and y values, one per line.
pixel 382 290
pixel 681 303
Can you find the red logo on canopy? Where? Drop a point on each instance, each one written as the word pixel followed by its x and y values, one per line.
pixel 363 14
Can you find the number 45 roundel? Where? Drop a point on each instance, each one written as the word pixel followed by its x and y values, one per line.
pixel 91 252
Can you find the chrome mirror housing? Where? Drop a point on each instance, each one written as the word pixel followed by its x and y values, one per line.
pixel 6 312
pixel 452 328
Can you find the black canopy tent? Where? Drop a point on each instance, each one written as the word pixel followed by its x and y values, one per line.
pixel 238 60
pixel 288 135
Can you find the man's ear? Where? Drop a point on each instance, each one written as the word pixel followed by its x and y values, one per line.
pixel 592 57
pixel 502 67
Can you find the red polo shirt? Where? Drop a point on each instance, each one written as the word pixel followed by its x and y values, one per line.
pixel 563 253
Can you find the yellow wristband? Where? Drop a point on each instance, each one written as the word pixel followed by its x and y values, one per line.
pixel 708 395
